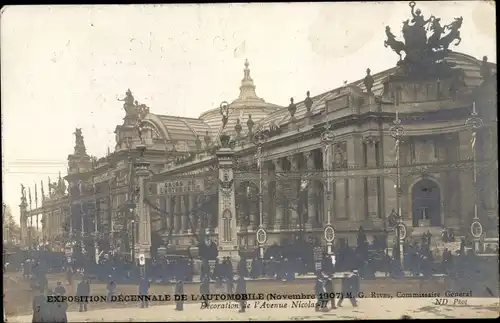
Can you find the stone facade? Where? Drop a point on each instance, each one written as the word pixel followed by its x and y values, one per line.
pixel 184 191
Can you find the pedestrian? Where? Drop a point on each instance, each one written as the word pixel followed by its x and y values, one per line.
pixel 241 289
pixel 143 292
pixel 319 290
pixel 230 285
pixel 59 309
pixel 348 287
pixel 330 291
pixel 345 290
pixel 69 274
pixel 60 290
pixel 83 291
pixel 204 291
pixel 39 306
pixel 111 287
pixel 179 292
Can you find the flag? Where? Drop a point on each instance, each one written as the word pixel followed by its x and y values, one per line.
pixel 473 140
pixel 29 195
pixel 240 50
pixel 43 193
pixel 36 197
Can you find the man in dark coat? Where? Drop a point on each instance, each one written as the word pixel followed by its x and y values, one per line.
pixel 143 291
pixel 111 287
pixel 83 291
pixel 330 290
pixel 40 308
pixel 59 309
pixel 319 291
pixel 241 288
pixel 69 274
pixel 350 288
pixel 60 290
pixel 179 291
pixel 204 290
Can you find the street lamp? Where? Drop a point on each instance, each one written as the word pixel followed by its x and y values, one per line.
pixel 327 137
pixel 259 139
pixel 130 205
pixel 473 123
pixel 397 132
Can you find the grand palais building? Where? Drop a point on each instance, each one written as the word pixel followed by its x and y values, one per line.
pixel 206 176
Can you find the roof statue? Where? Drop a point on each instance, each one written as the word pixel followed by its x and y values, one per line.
pixel 485 70
pixel 23 192
pixel 250 125
pixel 238 127
pixel 129 102
pixel 422 53
pixel 207 139
pixel 197 142
pixel 292 108
pixel 308 102
pixel 79 143
pixel 368 81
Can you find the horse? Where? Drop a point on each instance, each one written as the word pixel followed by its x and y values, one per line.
pixel 453 34
pixel 438 30
pixel 391 41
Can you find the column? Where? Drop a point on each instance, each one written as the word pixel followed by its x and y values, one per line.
pixel 184 215
pixel 466 179
pixel 167 215
pixel 311 193
pixel 371 182
pixel 191 212
pixel 178 215
pixel 294 216
pixel 227 231
pixel 279 196
pixel 354 151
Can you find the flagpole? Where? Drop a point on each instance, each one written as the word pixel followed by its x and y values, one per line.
pixel 473 123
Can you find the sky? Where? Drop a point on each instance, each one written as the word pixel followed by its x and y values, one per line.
pixel 63 67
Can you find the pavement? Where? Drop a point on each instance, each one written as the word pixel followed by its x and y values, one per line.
pixel 369 308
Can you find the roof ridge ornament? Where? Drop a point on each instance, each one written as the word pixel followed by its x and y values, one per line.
pixel 422 53
pixel 247 88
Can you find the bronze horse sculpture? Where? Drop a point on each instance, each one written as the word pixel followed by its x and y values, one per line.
pixel 391 41
pixel 453 34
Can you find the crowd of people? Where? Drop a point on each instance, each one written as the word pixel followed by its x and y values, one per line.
pixel 280 262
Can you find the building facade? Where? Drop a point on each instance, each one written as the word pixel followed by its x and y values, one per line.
pixel 251 164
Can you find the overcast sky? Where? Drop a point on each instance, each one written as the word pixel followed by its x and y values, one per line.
pixel 64 66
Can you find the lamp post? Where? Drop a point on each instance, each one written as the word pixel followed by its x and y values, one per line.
pixel 259 139
pixel 327 137
pixel 141 166
pixel 397 132
pixel 473 123
pixel 131 208
pixel 82 233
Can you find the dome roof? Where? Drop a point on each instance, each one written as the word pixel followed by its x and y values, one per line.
pixel 247 103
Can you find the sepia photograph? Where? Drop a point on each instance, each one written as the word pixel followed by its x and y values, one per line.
pixel 249 161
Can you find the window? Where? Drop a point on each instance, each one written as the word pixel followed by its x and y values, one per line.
pixel 412 150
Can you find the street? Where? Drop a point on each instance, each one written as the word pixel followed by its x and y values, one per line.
pixel 418 308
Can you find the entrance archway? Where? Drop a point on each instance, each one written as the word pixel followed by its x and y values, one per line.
pixel 426 209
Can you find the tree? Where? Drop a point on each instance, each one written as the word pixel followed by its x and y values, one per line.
pixel 10 228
